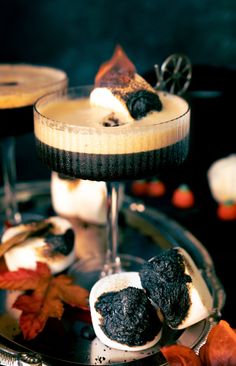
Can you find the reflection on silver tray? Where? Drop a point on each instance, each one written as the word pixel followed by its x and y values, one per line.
pixel 145 232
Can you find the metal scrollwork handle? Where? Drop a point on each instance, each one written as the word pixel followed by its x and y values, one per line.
pixel 9 357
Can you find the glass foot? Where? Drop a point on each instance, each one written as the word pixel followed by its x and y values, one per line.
pixel 88 271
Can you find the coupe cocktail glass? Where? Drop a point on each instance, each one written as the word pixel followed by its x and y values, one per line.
pixel 73 139
pixel 20 86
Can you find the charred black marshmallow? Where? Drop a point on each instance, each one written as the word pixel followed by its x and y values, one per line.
pixel 123 317
pixel 175 285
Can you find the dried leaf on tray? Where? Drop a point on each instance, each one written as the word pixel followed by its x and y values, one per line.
pixel 219 349
pixel 178 355
pixel 46 299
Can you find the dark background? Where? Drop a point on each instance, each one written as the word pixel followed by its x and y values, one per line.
pixel 78 36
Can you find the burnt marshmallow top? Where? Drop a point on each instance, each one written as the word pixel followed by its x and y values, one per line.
pixel 164 278
pixel 128 316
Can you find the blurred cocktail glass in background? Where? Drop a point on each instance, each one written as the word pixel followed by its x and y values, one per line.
pixel 20 86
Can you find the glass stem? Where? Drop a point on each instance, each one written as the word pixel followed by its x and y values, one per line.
pixel 9 179
pixel 113 261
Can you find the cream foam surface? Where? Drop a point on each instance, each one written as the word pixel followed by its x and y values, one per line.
pixel 21 85
pixel 76 126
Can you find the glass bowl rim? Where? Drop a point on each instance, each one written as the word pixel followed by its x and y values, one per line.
pixel 63 79
pixel 89 87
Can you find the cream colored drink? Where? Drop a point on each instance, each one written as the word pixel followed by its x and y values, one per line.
pixel 20 86
pixel 85 141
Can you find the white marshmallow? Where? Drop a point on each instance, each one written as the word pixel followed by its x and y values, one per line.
pixel 33 249
pixel 103 97
pixel 79 198
pixel 201 300
pixel 115 282
pixel 222 177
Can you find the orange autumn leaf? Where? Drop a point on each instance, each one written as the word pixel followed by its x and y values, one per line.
pixel 47 298
pixel 220 347
pixel 178 355
pixel 35 313
pixel 25 279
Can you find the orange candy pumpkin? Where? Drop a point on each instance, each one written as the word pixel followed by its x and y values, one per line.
pixel 156 188
pixel 183 197
pixel 227 211
pixel 139 187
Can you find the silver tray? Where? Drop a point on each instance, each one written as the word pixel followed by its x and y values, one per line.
pixel 145 232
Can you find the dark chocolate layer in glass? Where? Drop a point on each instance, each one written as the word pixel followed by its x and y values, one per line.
pixel 117 167
pixel 16 121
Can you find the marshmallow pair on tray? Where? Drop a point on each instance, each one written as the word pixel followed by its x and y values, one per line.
pixel 128 309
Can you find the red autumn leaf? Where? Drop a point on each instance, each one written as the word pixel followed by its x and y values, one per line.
pixel 69 293
pixel 47 298
pixel 25 279
pixel 36 311
pixel 178 355
pixel 220 347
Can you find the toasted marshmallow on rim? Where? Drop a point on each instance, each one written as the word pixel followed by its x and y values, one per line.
pixel 176 286
pixel 78 198
pixel 53 244
pixel 119 88
pixel 123 317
